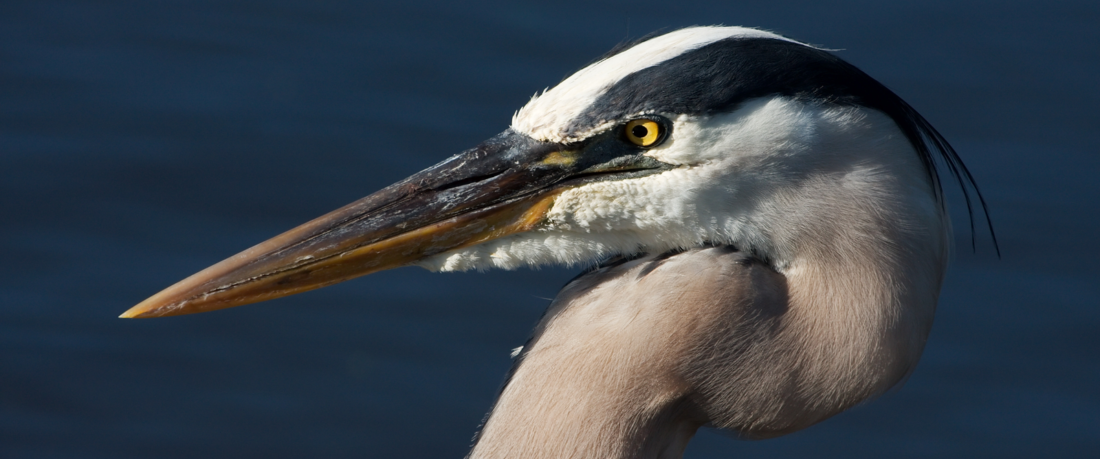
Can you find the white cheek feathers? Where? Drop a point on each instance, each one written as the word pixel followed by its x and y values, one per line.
pixel 592 222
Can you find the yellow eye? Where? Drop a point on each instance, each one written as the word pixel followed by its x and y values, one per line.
pixel 643 132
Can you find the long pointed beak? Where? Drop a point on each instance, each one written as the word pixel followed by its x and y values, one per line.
pixel 504 186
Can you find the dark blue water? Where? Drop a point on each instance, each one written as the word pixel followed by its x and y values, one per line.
pixel 142 141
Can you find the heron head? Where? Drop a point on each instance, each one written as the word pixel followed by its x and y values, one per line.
pixel 703 135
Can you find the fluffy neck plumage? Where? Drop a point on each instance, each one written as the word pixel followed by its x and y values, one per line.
pixel 630 360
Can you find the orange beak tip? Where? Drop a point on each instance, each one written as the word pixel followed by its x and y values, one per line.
pixel 137 312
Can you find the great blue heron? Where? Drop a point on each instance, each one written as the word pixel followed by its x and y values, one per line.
pixel 769 219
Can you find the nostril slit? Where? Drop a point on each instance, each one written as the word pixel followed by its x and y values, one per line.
pixel 468 180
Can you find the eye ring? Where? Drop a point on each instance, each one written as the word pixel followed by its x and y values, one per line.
pixel 645 132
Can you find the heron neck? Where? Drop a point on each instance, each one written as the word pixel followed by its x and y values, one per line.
pixel 590 385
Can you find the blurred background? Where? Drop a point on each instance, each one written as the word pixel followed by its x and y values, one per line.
pixel 143 141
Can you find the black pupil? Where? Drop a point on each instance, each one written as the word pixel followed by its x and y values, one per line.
pixel 639 131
